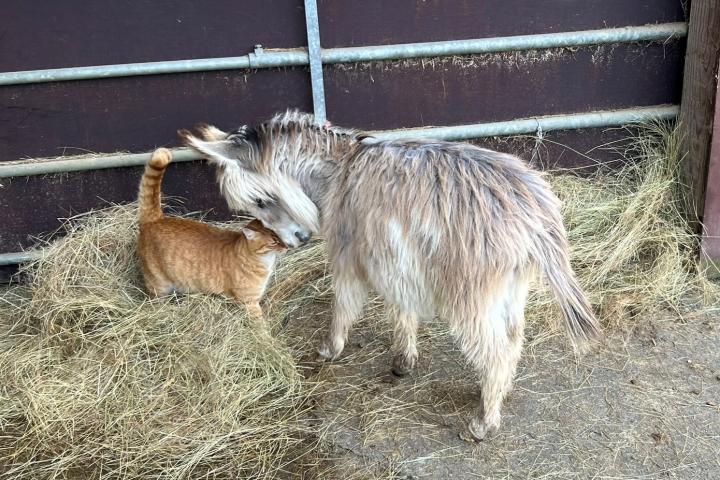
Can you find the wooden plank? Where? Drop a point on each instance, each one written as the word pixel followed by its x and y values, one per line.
pixel 711 214
pixel 30 206
pixel 697 107
pixel 488 88
pixel 138 113
pixel 81 32
pixel 379 22
pixel 71 33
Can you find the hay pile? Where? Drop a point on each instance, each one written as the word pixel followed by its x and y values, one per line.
pixel 97 381
pixel 631 247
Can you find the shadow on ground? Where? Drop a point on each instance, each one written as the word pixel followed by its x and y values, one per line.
pixel 645 405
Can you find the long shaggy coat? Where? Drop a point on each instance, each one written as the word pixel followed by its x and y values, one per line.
pixel 435 228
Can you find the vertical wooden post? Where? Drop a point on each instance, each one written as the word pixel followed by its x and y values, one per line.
pixel 711 214
pixel 698 98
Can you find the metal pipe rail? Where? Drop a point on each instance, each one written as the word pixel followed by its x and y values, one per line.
pixel 314 57
pixel 15 258
pixel 298 57
pixel 610 118
pixel 460 132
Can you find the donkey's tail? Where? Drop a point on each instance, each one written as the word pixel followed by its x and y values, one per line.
pixel 578 318
pixel 149 196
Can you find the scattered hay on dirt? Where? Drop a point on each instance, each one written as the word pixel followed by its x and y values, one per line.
pixel 98 381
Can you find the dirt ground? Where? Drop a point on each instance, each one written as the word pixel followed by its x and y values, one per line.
pixel 645 405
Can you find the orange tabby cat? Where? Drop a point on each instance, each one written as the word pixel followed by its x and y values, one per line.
pixel 184 255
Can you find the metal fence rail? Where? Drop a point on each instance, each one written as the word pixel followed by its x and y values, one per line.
pixel 610 118
pixel 316 56
pixel 296 57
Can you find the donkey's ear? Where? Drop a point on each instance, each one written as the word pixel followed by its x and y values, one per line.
pixel 222 152
pixel 210 133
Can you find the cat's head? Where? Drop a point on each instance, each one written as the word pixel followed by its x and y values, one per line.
pixel 262 240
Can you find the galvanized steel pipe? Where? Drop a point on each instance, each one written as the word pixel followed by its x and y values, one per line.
pixel 532 125
pixel 610 118
pixel 42 166
pixel 660 32
pixel 314 54
pixel 295 57
pixel 18 257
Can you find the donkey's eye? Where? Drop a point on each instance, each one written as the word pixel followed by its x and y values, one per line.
pixel 260 203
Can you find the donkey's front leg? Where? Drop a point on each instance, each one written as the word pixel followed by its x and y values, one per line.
pixel 350 296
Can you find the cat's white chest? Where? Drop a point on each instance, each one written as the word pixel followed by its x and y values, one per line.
pixel 268 260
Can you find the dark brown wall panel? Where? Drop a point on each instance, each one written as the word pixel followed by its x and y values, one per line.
pixel 139 113
pixel 583 151
pixel 50 34
pixel 379 22
pixel 486 88
pixel 31 205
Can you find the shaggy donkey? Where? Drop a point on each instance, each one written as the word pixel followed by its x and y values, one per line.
pixel 434 227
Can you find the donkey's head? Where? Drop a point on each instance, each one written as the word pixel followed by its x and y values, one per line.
pixel 251 185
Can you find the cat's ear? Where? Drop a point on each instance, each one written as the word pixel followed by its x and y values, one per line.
pixel 250 234
pixel 256 225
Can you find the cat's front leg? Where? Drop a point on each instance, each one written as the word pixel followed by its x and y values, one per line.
pixel 254 309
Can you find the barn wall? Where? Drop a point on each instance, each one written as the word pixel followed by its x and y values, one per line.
pixel 140 113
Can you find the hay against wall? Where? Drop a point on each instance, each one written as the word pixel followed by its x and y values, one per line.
pixel 98 381
pixel 631 247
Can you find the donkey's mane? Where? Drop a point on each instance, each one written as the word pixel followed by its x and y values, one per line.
pixel 300 133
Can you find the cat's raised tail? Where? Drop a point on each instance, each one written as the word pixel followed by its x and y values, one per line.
pixel 150 186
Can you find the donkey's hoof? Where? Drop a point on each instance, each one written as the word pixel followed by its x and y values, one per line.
pixel 479 430
pixel 320 358
pixel 403 364
pixel 329 350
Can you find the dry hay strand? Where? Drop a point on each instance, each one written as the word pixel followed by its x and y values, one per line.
pixel 98 381
pixel 631 247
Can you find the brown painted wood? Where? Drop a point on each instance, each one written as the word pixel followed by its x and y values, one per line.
pixel 70 33
pixel 711 214
pixel 7 273
pixel 380 22
pixel 139 113
pixel 30 206
pixel 582 151
pixel 487 88
pixel 697 110
pixel 99 32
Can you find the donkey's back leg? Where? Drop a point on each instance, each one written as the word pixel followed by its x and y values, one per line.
pixel 350 294
pixel 492 343
pixel 404 349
